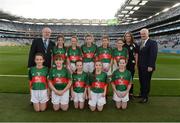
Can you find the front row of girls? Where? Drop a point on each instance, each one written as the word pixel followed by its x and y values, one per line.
pixel 79 84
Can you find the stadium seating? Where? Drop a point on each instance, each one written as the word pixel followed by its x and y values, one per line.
pixel 164 28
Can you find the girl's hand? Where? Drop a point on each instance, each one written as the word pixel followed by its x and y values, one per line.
pixel 72 95
pixel 124 94
pixel 60 93
pixel 89 96
pixel 106 69
pixel 84 96
pixel 103 95
pixel 118 94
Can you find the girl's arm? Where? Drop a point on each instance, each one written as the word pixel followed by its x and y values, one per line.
pixel 85 93
pixel 105 91
pixel 129 87
pixel 67 87
pixel 51 86
pixel 127 90
pixel 89 92
pixel 111 63
pixel 115 63
pixel 72 92
pixel 113 87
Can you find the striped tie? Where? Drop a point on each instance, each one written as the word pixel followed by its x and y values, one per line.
pixel 45 45
pixel 142 44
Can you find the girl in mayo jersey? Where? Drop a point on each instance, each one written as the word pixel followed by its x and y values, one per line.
pixel 38 84
pixel 79 86
pixel 59 82
pixel 121 84
pixel 97 88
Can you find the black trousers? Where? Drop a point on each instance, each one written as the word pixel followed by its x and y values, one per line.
pixel 145 82
pixel 131 68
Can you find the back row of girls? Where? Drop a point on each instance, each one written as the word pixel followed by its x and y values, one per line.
pixel 79 62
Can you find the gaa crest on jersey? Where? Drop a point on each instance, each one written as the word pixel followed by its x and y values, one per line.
pixel 38 73
pixel 131 47
pixel 121 77
pixel 59 75
pixel 98 79
pixel 78 79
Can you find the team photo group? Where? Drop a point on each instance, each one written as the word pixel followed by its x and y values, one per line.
pixel 59 74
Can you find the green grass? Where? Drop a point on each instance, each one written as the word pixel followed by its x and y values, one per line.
pixel 16 107
pixel 13 60
pixel 14 104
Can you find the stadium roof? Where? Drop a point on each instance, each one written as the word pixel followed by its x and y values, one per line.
pixel 4 15
pixel 137 10
pixel 132 11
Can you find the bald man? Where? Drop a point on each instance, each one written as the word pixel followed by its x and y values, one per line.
pixel 146 63
pixel 42 45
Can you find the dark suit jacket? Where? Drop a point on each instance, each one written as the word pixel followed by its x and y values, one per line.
pixel 148 54
pixel 38 47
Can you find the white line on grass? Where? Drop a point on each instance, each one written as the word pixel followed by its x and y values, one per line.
pixel 24 76
pixel 20 76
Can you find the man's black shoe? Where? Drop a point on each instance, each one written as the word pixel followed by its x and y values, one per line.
pixel 144 100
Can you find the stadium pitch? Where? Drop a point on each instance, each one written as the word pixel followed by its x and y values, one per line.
pixel 15 104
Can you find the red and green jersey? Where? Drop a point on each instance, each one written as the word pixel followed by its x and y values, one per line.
pixel 59 78
pixel 98 82
pixel 80 82
pixel 38 78
pixel 121 79
pixel 74 54
pixel 88 52
pixel 104 54
pixel 117 54
pixel 59 52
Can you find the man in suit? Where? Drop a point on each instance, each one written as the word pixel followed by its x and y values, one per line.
pixel 41 45
pixel 146 63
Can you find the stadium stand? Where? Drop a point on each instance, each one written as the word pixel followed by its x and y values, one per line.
pixel 164 28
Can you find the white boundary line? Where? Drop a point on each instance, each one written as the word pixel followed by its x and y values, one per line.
pixel 173 79
pixel 24 76
pixel 20 76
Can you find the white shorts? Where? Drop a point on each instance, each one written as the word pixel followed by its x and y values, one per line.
pixel 88 67
pixel 64 99
pixel 97 99
pixel 118 99
pixel 78 97
pixel 39 96
pixel 105 65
